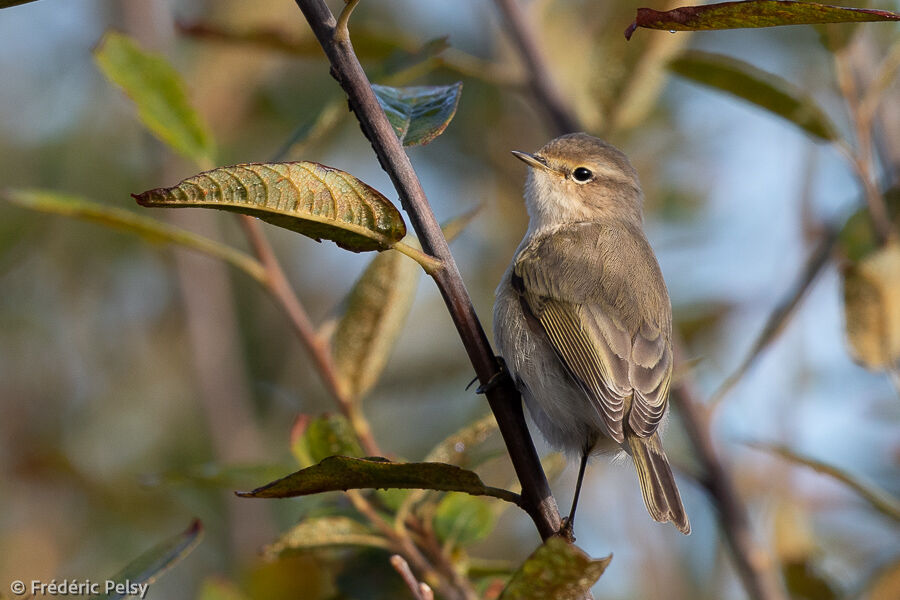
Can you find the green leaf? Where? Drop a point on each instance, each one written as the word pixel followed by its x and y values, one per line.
pixel 159 93
pixel 215 475
pixel 344 473
pixel 377 308
pixel 124 220
pixel 314 440
pixel 740 15
pixel 557 570
pixel 220 589
pixel 455 448
pixel 463 519
pixel 317 201
pixel 857 238
pixel 757 87
pixel 324 532
pixel 804 581
pixel 872 308
pixel 421 113
pixel 148 567
pixel 877 498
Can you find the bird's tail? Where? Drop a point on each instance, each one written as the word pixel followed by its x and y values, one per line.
pixel 657 483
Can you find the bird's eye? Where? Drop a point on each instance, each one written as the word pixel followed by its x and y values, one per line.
pixel 582 175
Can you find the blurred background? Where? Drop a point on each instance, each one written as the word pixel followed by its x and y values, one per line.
pixel 132 375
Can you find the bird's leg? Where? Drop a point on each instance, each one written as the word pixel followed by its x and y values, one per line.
pixel 496 379
pixel 568 525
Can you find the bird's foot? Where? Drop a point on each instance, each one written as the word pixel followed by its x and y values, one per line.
pixel 496 380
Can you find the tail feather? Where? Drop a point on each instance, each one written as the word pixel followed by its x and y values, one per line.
pixel 657 483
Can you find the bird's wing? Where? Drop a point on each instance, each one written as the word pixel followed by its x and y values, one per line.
pixel 577 308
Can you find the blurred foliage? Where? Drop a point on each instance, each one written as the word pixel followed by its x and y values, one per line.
pixel 100 370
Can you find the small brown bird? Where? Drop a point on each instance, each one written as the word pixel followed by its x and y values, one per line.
pixel 583 319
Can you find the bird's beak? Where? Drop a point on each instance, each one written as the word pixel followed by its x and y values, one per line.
pixel 532 160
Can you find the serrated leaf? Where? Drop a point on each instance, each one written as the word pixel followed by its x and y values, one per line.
pixel 740 15
pixel 877 498
pixel 344 473
pixel 377 308
pixel 757 87
pixel 317 201
pixel 557 570
pixel 148 567
pixel 124 220
pixel 313 440
pixel 857 239
pixel 872 308
pixel 419 114
pixel 324 532
pixel 463 519
pixel 159 94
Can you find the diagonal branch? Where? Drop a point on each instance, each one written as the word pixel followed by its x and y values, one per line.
pixel 751 561
pixel 504 399
pixel 781 315
pixel 539 79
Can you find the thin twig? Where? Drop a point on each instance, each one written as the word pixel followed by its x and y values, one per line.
pixel 752 563
pixel 402 567
pixel 281 290
pixel 862 157
pixel 504 399
pixel 782 313
pixel 539 79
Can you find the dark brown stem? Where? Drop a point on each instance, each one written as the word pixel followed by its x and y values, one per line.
pixel 751 562
pixel 539 79
pixel 280 289
pixel 504 399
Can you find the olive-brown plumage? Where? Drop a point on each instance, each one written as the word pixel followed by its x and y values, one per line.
pixel 582 316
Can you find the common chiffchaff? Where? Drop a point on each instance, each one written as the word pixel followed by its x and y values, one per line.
pixel 583 319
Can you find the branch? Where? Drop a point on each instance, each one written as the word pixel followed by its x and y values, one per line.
pixel 539 79
pixel 504 399
pixel 280 289
pixel 782 313
pixel 749 559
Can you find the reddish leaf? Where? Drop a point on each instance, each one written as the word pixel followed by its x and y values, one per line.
pixel 739 15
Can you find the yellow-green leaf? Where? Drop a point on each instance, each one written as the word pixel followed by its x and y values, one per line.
pixel 313 440
pixel 857 238
pixel 455 448
pixel 377 308
pixel 124 220
pixel 764 13
pixel 220 589
pixel 159 94
pixel 419 114
pixel 317 201
pixel 148 567
pixel 872 308
pixel 557 570
pixel 463 519
pixel 324 532
pixel 344 473
pixel 758 87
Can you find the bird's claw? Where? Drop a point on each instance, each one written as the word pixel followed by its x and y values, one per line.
pixel 496 379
